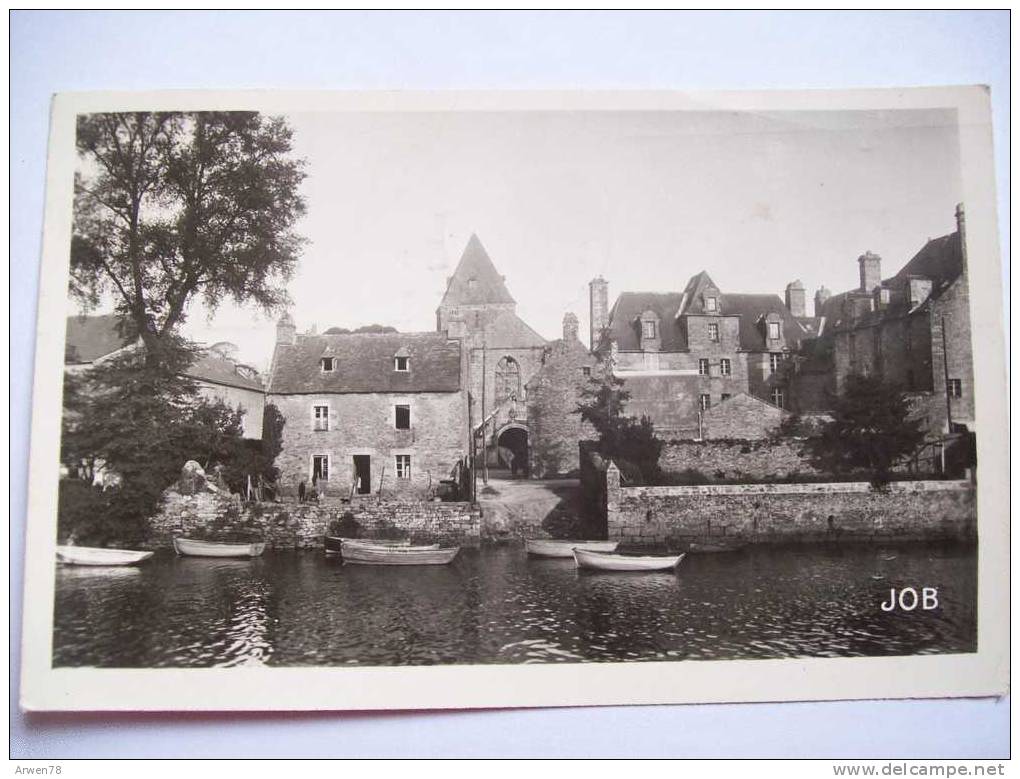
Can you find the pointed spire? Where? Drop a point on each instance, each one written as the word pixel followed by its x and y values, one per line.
pixel 476 280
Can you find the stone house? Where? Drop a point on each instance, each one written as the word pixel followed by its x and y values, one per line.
pixel 92 340
pixel 911 329
pixel 501 353
pixel 369 413
pixel 681 354
pixel 553 394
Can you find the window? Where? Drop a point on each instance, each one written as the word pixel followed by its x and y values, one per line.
pixel 724 367
pixel 647 329
pixel 713 332
pixel 725 396
pixel 320 467
pixel 403 466
pixel 774 359
pixel 402 420
pixel 320 417
pixel 586 371
pixel 711 304
pixel 777 396
pixel 955 388
pixel 703 366
pixel 773 331
pixel 402 364
pixel 508 379
pixel 704 401
pixel 327 364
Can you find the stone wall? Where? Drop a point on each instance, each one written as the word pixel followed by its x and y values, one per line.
pixel 553 395
pixel 737 459
pixel 783 513
pixel 291 525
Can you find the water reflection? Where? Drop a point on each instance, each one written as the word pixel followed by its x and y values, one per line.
pixel 497 606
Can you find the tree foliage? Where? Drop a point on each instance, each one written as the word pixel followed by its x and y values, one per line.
pixel 141 420
pixel 170 206
pixel 630 442
pixel 870 428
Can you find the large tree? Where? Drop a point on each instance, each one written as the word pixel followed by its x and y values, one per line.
pixel 629 441
pixel 871 428
pixel 170 206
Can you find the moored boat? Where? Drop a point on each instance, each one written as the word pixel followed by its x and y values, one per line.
pixel 359 554
pixel 373 544
pixel 603 561
pixel 544 547
pixel 96 556
pixel 190 547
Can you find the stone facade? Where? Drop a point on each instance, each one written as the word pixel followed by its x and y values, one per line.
pixel 210 514
pixel 553 395
pixel 786 513
pixel 363 424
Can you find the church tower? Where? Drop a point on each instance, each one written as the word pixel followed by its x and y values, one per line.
pixel 475 293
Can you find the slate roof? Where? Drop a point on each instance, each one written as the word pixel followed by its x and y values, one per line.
pixel 488 287
pixel 750 308
pixel 629 306
pixel 92 337
pixel 217 369
pixel 365 364
pixel 940 259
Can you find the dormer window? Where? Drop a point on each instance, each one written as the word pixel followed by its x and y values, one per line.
pixel 711 304
pixel 401 364
pixel 773 331
pixel 648 329
pixel 327 364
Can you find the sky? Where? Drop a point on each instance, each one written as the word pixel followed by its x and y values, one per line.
pixel 646 199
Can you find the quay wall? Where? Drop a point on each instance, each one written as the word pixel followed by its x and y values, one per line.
pixel 782 513
pixel 290 525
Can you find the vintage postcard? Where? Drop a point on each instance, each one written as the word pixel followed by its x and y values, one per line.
pixel 438 400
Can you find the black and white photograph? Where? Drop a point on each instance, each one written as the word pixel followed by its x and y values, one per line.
pixel 445 385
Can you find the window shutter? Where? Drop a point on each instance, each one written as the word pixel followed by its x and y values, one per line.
pixel 333 418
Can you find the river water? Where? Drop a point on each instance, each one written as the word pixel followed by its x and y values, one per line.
pixel 496 605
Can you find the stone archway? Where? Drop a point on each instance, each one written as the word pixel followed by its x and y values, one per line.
pixel 512 448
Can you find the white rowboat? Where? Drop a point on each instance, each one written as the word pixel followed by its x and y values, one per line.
pixel 368 543
pixel 541 547
pixel 91 555
pixel 599 561
pixel 396 555
pixel 189 547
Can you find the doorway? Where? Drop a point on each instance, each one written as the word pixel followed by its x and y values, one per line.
pixel 512 450
pixel 363 474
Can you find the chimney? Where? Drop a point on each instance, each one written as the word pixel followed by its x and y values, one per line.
pixel 821 296
pixel 570 327
pixel 961 228
pixel 598 289
pixel 286 333
pixel 796 298
pixel 871 271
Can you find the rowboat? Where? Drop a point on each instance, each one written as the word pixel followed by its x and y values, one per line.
pixel 334 544
pixel 542 547
pixel 368 543
pixel 91 555
pixel 189 547
pixel 357 554
pixel 601 561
